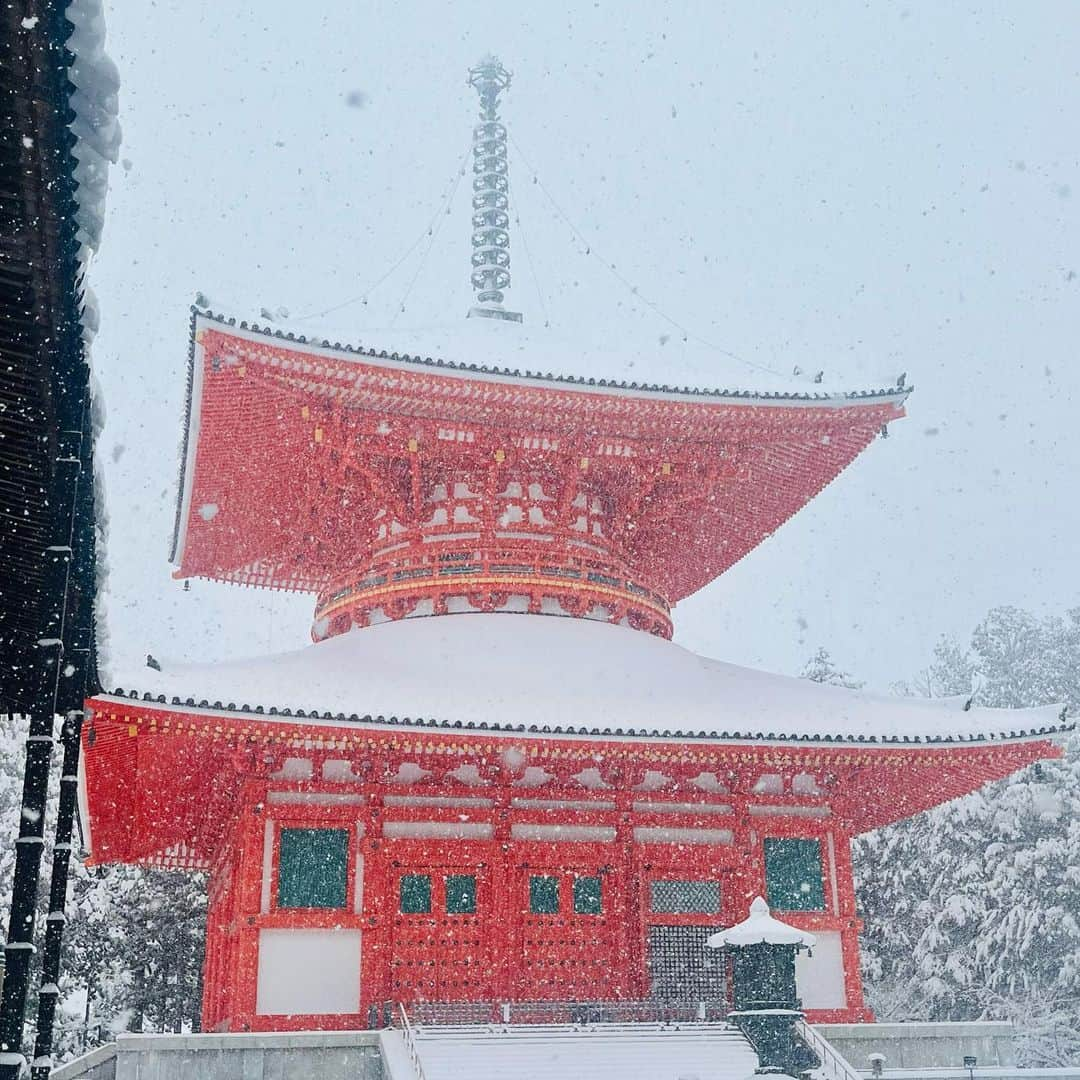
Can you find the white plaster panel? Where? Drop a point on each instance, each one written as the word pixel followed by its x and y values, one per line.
pixel 820 977
pixel 596 834
pixel 437 830
pixel 662 834
pixel 308 972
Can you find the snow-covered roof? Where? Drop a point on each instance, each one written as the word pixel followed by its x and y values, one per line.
pixel 519 672
pixel 503 349
pixel 760 928
pixel 96 107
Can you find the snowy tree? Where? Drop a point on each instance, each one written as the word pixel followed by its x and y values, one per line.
pixel 134 949
pixel 973 910
pixel 133 945
pixel 820 668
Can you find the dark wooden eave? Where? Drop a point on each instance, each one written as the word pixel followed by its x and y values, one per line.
pixel 44 374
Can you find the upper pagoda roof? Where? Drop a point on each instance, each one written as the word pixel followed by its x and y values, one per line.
pixel 565 676
pixel 707 474
pixel 525 354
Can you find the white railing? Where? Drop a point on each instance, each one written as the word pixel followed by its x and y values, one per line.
pixel 834 1066
pixel 567 1012
pixel 411 1048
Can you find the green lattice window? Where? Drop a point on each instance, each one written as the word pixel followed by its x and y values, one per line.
pixel 685 897
pixel 460 894
pixel 414 894
pixel 312 868
pixel 543 895
pixel 588 896
pixel 793 878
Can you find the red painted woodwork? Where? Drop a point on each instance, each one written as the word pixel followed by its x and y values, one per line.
pixel 136 751
pixel 391 489
pixel 224 779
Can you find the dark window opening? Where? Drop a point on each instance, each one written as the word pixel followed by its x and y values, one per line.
pixel 685 897
pixel 793 878
pixel 543 895
pixel 312 868
pixel 460 894
pixel 587 896
pixel 414 894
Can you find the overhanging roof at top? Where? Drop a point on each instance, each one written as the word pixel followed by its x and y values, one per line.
pixel 261 403
pixel 57 133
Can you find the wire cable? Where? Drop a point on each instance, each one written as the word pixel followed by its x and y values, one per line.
pixel 629 285
pixel 434 234
pixel 435 220
pixel 533 272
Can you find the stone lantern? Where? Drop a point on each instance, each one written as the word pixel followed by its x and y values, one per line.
pixel 764 996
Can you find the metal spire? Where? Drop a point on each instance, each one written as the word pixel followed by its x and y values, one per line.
pixel 491 218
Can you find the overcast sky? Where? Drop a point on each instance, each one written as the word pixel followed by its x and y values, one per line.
pixel 860 188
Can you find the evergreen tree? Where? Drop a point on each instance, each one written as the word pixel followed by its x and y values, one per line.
pixel 820 668
pixel 134 948
pixel 973 910
pixel 133 943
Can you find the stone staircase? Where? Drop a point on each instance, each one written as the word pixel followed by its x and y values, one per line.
pixel 660 1049
pixel 649 1051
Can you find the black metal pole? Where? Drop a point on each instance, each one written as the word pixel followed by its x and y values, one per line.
pixel 19 950
pixel 49 992
pixel 78 645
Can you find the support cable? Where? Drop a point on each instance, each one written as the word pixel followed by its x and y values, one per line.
pixel 533 270
pixel 627 284
pixel 444 204
pixel 434 235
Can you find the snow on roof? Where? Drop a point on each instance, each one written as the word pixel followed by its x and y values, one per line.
pixel 95 104
pixel 496 347
pixel 553 674
pixel 760 928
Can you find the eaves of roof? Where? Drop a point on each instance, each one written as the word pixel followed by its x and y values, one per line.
pixel 44 373
pixel 896 393
pixel 218 708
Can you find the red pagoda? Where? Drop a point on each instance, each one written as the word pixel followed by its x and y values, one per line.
pixel 493 777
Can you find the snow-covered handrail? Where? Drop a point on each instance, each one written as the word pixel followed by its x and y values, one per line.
pixel 834 1066
pixel 413 1050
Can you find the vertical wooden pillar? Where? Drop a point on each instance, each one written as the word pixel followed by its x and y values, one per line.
pixel 247 833
pixel 504 916
pixel 631 917
pixel 57 557
pixel 379 909
pixel 749 876
pixel 849 935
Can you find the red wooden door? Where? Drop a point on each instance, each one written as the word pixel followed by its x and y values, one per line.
pixel 571 933
pixel 441 938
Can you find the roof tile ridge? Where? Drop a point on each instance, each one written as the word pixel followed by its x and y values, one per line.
pixel 1063 726
pixel 899 391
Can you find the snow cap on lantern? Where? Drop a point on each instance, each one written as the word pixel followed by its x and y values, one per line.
pixel 760 928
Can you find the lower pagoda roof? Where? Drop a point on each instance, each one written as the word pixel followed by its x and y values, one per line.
pixel 563 707
pixel 546 674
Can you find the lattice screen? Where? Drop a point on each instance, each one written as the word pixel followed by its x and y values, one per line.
pixel 672 897
pixel 681 967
